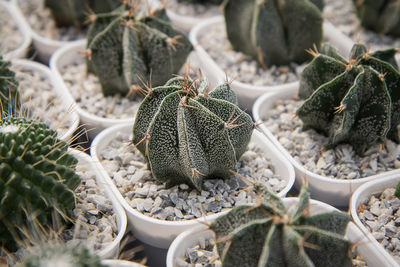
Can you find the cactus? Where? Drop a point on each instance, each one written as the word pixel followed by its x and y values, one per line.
pixel 128 48
pixel 269 234
pixel 381 16
pixel 274 32
pixel 397 192
pixel 9 96
pixel 75 12
pixel 187 134
pixel 37 179
pixel 357 102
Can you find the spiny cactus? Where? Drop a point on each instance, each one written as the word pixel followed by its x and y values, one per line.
pixel 9 95
pixel 37 179
pixel 269 234
pixel 75 12
pixel 382 16
pixel 274 32
pixel 127 48
pixel 187 134
pixel 356 102
pixel 397 192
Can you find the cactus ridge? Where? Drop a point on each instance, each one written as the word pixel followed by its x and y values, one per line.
pixel 188 134
pixel 9 95
pixel 37 179
pixel 269 234
pixel 355 102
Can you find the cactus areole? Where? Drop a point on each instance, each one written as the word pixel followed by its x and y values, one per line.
pixel 188 134
pixel 355 101
pixel 274 32
pixel 269 234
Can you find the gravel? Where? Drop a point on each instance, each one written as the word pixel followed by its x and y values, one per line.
pixel 10 36
pixel 127 168
pixel 380 214
pixel 340 162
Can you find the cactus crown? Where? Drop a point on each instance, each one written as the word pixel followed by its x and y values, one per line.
pixel 37 179
pixel 382 16
pixel 130 46
pixel 9 95
pixel 356 102
pixel 274 32
pixel 188 134
pixel 269 234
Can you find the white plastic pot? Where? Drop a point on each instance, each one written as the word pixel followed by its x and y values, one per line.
pixel 121 263
pixel 360 196
pixel 191 237
pixel 247 93
pixel 67 105
pixel 22 50
pixel 183 23
pixel 336 192
pixel 160 233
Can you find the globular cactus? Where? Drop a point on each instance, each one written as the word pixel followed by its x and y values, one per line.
pixel 37 179
pixel 397 192
pixel 188 134
pixel 128 48
pixel 355 102
pixel 382 16
pixel 274 32
pixel 269 234
pixel 76 12
pixel 9 95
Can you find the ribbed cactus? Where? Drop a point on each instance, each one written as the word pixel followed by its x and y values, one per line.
pixel 9 95
pixel 356 102
pixel 397 192
pixel 127 48
pixel 76 12
pixel 269 234
pixel 37 179
pixel 274 32
pixel 382 16
pixel 187 134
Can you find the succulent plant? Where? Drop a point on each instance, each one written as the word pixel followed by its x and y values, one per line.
pixel 274 32
pixel 37 179
pixel 75 12
pixel 397 192
pixel 356 102
pixel 269 234
pixel 129 48
pixel 382 16
pixel 188 134
pixel 9 95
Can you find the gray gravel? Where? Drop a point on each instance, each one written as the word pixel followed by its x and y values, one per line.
pixel 10 36
pixel 340 162
pixel 380 214
pixel 127 168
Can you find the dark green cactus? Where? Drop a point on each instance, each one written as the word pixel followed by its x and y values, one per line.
pixel 129 48
pixel 382 16
pixel 187 134
pixel 76 12
pixel 269 234
pixel 356 102
pixel 274 32
pixel 397 192
pixel 9 95
pixel 37 179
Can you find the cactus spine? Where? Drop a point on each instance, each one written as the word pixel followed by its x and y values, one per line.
pixel 9 95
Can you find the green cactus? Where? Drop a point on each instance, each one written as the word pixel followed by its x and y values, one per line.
pixel 9 95
pixel 382 16
pixel 274 32
pixel 37 179
pixel 397 192
pixel 76 12
pixel 187 134
pixel 269 234
pixel 356 102
pixel 130 48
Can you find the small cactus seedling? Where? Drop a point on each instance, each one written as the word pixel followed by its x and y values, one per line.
pixel 382 16
pixel 128 48
pixel 355 102
pixel 37 179
pixel 187 134
pixel 75 12
pixel 274 32
pixel 269 234
pixel 397 192
pixel 9 95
